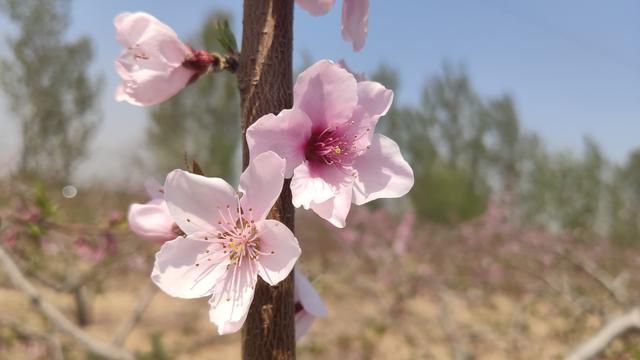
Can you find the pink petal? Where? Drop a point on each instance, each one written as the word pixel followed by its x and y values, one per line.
pixel 282 251
pixel 154 188
pixel 196 202
pixel 286 134
pixel 151 34
pixel 151 221
pixel 311 302
pixel 121 95
pixel 308 296
pixel 303 321
pixel 355 22
pixel 151 88
pixel 261 184
pixel 317 184
pixel 316 7
pixel 382 172
pixel 326 93
pixel 232 298
pixel 374 101
pixel 336 209
pixel 176 273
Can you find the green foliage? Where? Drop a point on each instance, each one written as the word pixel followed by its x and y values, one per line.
pixel 202 120
pixel 43 202
pixel 445 194
pixel 625 204
pixel 226 38
pixel 48 87
pixel 565 191
pixel 445 143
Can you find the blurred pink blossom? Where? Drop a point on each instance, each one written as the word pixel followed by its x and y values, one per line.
pixel 87 251
pixel 308 304
pixel 355 18
pixel 228 242
pixel 329 143
pixel 152 220
pixel 404 233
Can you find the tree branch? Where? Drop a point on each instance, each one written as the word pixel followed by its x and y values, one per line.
pixel 130 322
pixel 614 286
pixel 613 329
pixel 57 318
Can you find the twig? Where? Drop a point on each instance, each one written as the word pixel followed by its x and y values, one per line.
pixel 130 322
pixel 456 339
pixel 56 318
pixel 614 287
pixel 614 328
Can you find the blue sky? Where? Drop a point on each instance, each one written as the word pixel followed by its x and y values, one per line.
pixel 573 66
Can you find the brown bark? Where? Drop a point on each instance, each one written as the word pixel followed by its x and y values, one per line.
pixel 265 82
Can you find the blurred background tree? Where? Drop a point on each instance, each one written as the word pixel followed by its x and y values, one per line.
pixel 49 89
pixel 176 126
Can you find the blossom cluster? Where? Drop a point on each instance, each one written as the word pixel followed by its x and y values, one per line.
pixel 216 240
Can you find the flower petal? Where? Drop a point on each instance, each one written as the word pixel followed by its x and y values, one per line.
pixel 355 22
pixel 151 87
pixel 151 221
pixel 382 172
pixel 314 184
pixel 232 299
pixel 336 209
pixel 175 270
pixel 282 251
pixel 312 305
pixel 142 30
pixel 195 201
pixel 326 93
pixel 261 184
pixel 374 101
pixel 308 296
pixel 286 134
pixel 316 7
pixel 303 321
pixel 154 188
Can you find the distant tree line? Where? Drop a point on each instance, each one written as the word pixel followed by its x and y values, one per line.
pixel 466 149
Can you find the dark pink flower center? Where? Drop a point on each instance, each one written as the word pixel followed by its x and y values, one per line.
pixel 333 147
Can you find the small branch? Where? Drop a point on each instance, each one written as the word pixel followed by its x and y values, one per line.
pixel 57 318
pixel 614 287
pixel 613 329
pixel 456 339
pixel 130 322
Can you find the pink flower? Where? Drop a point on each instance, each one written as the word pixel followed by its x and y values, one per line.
pixel 355 18
pixel 152 220
pixel 155 64
pixel 329 143
pixel 228 242
pixel 308 304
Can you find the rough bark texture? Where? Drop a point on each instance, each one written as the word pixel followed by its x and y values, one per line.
pixel 265 82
